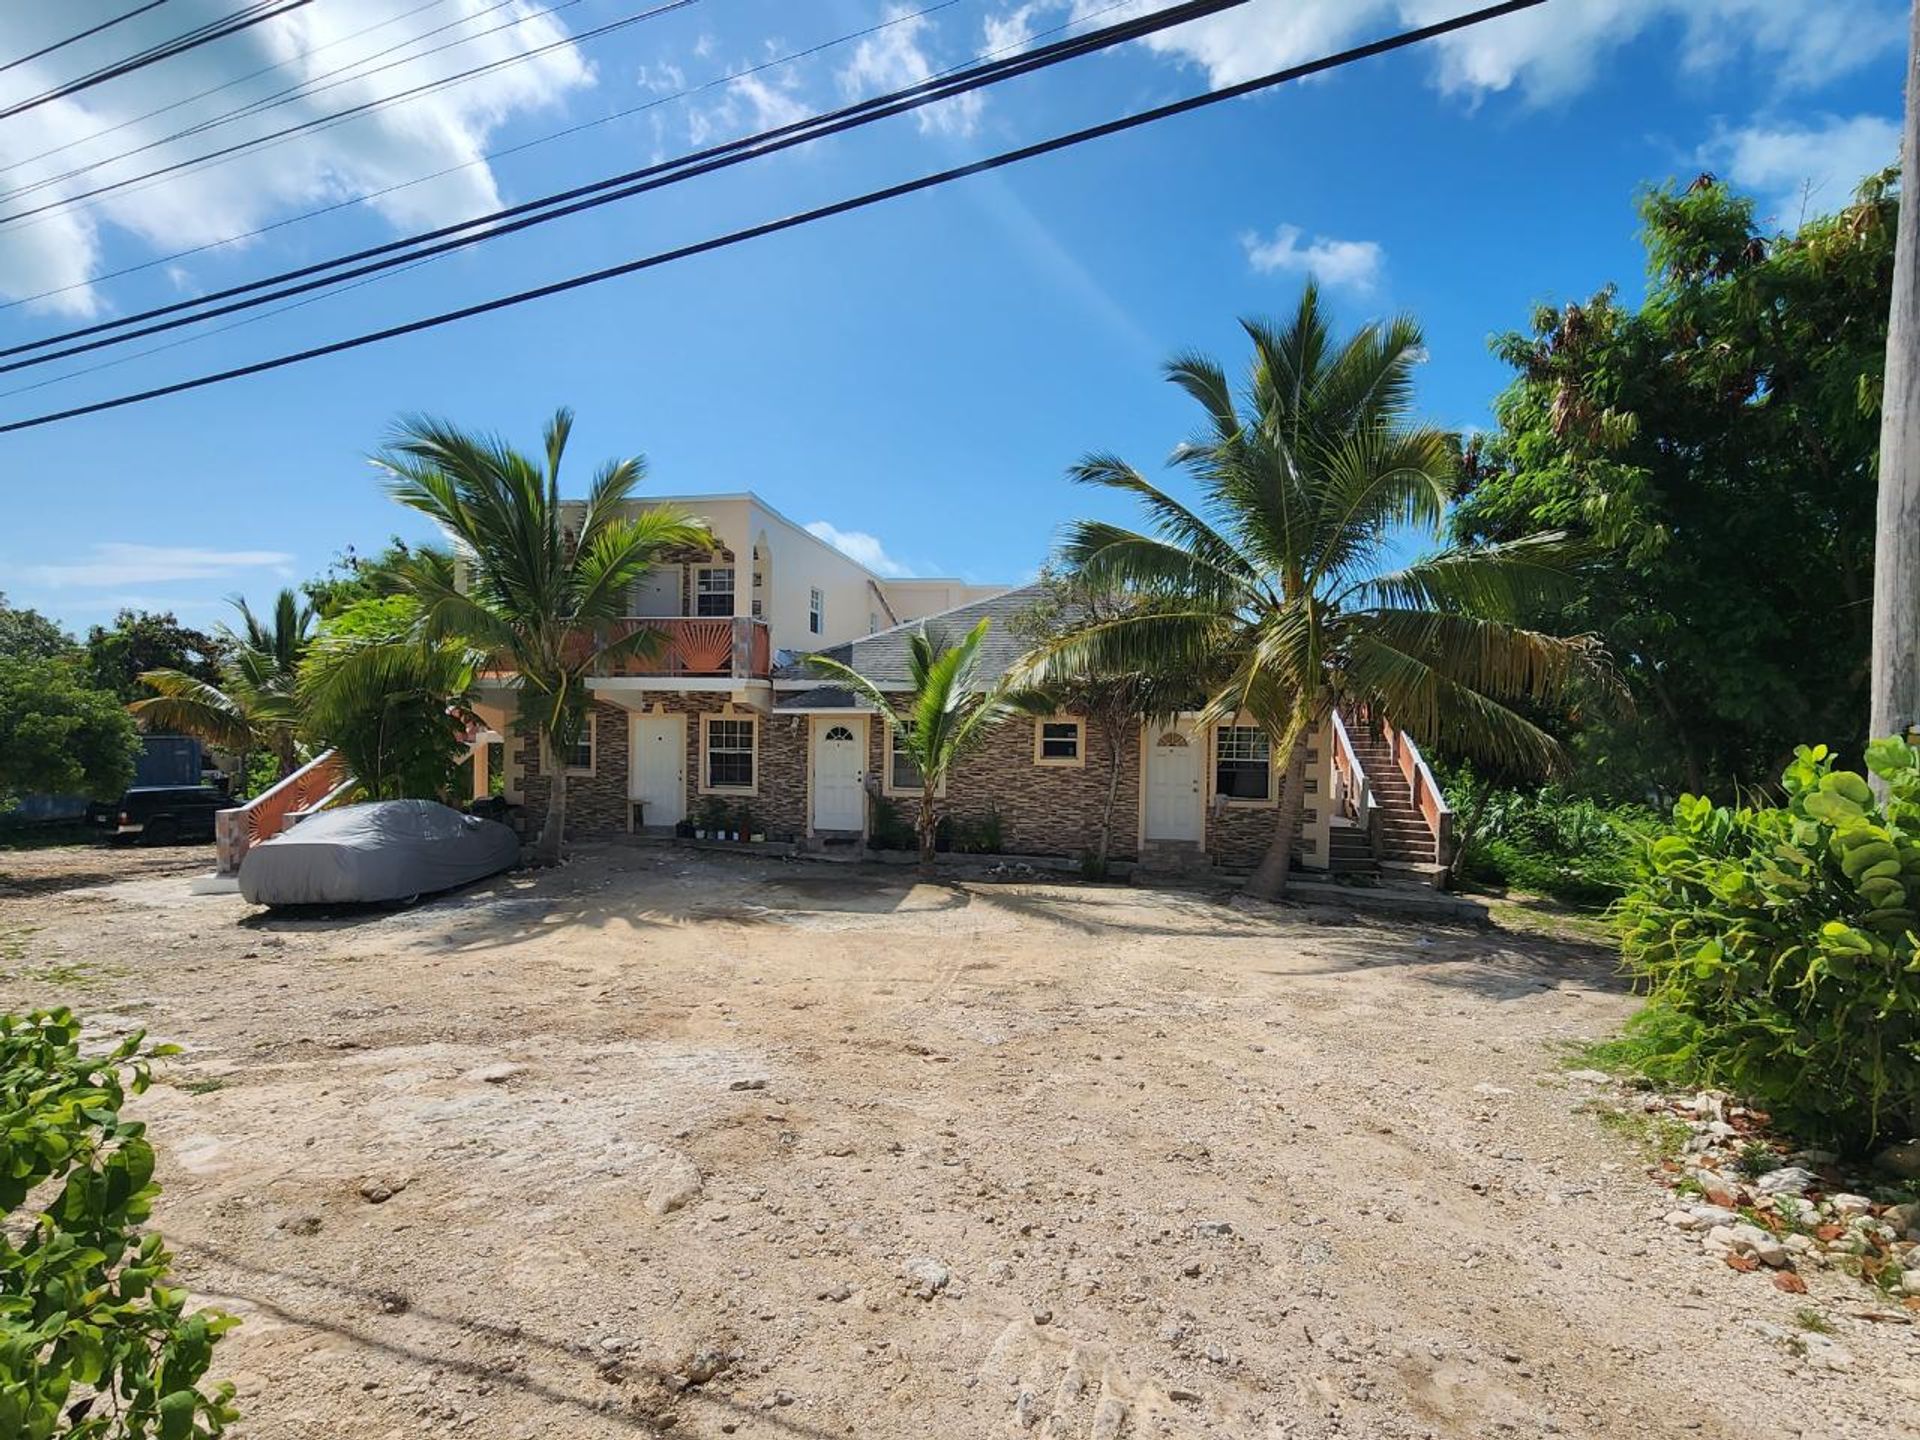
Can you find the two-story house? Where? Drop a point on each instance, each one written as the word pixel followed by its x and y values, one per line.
pixel 726 712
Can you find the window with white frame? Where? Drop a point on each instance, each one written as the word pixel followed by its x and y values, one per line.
pixel 730 754
pixel 903 774
pixel 580 758
pixel 1057 742
pixel 816 612
pixel 1242 765
pixel 713 590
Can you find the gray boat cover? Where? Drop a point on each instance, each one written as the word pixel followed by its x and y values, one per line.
pixel 385 850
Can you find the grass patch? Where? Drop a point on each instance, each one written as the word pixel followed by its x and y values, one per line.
pixel 47 835
pixel 206 1085
pixel 1812 1320
pixel 1662 1136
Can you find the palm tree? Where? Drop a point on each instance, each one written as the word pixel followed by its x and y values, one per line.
pixel 948 713
pixel 396 707
pixel 254 705
pixel 1304 478
pixel 542 579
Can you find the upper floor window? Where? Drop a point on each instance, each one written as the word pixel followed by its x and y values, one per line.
pixel 713 590
pixel 1243 769
pixel 816 612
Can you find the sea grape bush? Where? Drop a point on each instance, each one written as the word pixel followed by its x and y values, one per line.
pixel 94 1345
pixel 1778 946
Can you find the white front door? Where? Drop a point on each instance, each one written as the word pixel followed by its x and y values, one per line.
pixel 1173 773
pixel 657 768
pixel 839 767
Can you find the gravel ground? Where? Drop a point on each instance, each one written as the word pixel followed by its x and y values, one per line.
pixel 662 1142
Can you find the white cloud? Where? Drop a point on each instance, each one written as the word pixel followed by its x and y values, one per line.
pixel 385 147
pixel 1803 170
pixel 752 104
pixel 895 58
pixel 1351 264
pixel 860 546
pixel 119 563
pixel 1548 53
pixel 1012 31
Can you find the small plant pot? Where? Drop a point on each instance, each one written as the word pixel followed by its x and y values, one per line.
pixel 699 834
pixel 759 839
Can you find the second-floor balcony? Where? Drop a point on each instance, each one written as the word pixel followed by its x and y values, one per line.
pixel 736 647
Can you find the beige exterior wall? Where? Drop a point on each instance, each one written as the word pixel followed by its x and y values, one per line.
pixel 915 599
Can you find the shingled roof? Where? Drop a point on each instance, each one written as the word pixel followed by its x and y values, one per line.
pixel 882 657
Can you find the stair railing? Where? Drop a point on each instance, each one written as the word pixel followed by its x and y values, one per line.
pixel 322 781
pixel 1427 797
pixel 1351 792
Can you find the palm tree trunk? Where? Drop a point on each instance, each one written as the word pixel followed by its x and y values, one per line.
pixel 553 828
pixel 927 827
pixel 1113 794
pixel 1269 881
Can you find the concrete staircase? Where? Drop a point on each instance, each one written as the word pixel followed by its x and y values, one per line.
pixel 1399 844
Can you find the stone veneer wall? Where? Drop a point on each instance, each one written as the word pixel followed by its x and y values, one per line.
pixel 1044 809
pixel 598 804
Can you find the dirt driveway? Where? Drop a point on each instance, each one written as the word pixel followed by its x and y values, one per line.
pixel 664 1142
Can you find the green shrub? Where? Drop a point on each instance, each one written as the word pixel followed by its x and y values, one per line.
pixel 93 1344
pixel 982 834
pixel 1778 946
pixel 1547 842
pixel 889 829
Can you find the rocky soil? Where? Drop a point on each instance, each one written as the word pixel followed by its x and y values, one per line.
pixel 704 1146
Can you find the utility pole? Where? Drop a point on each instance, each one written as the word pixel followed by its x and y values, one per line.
pixel 1896 557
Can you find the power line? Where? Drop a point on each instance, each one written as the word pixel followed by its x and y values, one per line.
pixel 84 34
pixel 240 80
pixel 903 17
pixel 304 90
pixel 613 188
pixel 1399 41
pixel 335 117
pixel 255 14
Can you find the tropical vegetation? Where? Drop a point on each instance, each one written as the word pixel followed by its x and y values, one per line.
pixel 1306 477
pixel 58 737
pixel 253 705
pixel 544 580
pixel 93 1340
pixel 946 714
pixel 396 707
pixel 1777 944
pixel 1714 447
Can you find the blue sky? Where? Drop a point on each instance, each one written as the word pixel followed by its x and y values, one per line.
pixel 917 375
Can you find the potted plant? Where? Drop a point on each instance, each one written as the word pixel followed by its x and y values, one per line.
pixel 748 829
pixel 712 821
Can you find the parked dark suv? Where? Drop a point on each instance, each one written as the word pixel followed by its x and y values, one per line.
pixel 160 814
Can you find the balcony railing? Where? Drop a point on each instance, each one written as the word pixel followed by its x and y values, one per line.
pixel 692 647
pixel 736 648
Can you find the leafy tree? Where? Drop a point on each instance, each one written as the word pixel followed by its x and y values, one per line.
pixel 29 635
pixel 94 1344
pixel 57 737
pixel 538 579
pixel 1272 583
pixel 1118 702
pixel 393 704
pixel 949 712
pixel 1717 445
pixel 118 655
pixel 251 703
pixel 353 577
